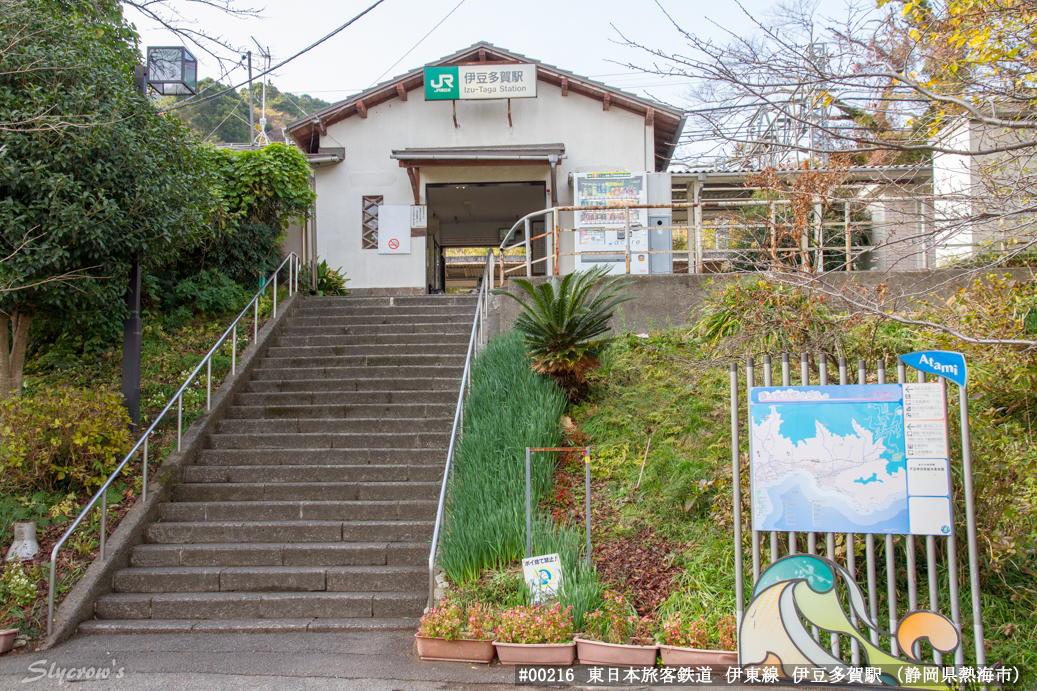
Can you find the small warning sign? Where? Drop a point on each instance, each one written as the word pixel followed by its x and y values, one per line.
pixel 543 575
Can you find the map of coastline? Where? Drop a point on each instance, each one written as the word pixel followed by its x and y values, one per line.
pixel 828 463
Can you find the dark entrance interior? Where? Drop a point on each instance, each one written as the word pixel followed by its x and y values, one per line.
pixel 465 219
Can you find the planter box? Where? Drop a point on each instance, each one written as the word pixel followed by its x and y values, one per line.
pixel 535 653
pixel 719 660
pixel 460 650
pixel 599 653
pixel 7 640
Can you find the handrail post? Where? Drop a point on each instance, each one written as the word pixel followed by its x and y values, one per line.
pixel 208 384
pixel 144 484
pixel 104 516
pixel 255 321
pixel 234 351
pixel 529 252
pixel 274 295
pixel 179 419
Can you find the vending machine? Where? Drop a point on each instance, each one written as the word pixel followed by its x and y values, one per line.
pixel 601 234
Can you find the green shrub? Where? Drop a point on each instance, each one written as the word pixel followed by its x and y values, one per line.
pixel 63 438
pixel 210 292
pixel 329 281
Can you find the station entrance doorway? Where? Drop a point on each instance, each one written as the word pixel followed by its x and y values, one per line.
pixel 466 219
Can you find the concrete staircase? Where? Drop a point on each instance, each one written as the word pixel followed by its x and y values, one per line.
pixel 313 504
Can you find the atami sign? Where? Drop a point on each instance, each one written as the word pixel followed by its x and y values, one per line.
pixel 480 82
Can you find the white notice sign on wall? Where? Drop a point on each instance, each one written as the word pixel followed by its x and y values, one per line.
pixel 394 229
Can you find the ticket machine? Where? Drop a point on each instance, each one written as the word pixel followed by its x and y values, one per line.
pixel 603 235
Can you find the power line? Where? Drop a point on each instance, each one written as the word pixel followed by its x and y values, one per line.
pixel 418 43
pixel 191 100
pixel 232 111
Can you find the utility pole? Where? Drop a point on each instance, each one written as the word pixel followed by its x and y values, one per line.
pixel 251 112
pixel 132 326
pixel 261 137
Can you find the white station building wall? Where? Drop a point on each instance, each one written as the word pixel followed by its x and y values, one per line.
pixel 595 141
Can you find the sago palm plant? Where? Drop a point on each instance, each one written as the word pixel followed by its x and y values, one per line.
pixel 564 326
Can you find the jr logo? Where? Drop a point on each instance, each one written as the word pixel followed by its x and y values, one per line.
pixel 444 81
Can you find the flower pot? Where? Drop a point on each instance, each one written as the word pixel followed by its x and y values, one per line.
pixel 7 640
pixel 535 653
pixel 719 660
pixel 600 653
pixel 459 650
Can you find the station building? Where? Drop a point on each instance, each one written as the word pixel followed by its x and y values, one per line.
pixel 453 153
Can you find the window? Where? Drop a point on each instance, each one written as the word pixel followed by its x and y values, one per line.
pixel 370 224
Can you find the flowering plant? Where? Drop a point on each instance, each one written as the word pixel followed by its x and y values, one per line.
pixel 450 621
pixel 536 624
pixel 685 632
pixel 616 622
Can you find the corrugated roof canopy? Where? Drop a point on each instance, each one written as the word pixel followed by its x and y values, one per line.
pixel 534 153
pixel 668 121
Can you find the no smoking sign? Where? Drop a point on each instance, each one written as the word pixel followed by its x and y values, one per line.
pixel 394 244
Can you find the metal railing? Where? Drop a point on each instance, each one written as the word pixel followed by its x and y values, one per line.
pixel 478 340
pixel 294 263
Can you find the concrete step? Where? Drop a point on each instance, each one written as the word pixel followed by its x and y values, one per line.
pixel 387 302
pixel 369 350
pixel 304 491
pixel 414 312
pixel 256 605
pixel 366 473
pixel 364 383
pixel 375 425
pixel 425 328
pixel 194 532
pixel 314 625
pixel 327 440
pixel 283 554
pixel 459 320
pixel 372 342
pixel 304 361
pixel 223 579
pixel 385 456
pixel 356 372
pixel 349 398
pixel 381 411
pixel 198 511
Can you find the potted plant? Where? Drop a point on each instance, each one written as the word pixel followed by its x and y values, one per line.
pixel 685 641
pixel 536 635
pixel 452 632
pixel 614 635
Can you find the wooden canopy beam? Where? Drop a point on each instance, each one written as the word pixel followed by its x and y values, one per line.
pixel 401 91
pixel 361 108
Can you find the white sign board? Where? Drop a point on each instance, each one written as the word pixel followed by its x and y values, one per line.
pixel 419 216
pixel 394 229
pixel 543 575
pixel 928 468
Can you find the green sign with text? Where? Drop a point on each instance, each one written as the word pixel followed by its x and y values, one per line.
pixel 480 82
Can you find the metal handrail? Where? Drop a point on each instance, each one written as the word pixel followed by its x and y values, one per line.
pixel 294 264
pixel 478 339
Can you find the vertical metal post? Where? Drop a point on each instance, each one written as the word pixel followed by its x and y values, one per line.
pixel 822 367
pixel 179 419
pixel 234 350
pixel 846 234
pixel 699 264
pixel 529 251
pixel 869 541
pixel 851 546
pixel 891 555
pixel 952 548
pixel 750 382
pixel 557 239
pixel 736 474
pixel 786 380
pixel 767 380
pixel 208 384
pixel 912 560
pixel 104 519
pixel 970 521
pixel 255 321
pixel 804 377
pixel 274 297
pixel 587 500
pixel 529 507
pixel 144 484
pixel 626 235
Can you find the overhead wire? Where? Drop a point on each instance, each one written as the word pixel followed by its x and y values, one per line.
pixel 420 41
pixel 232 112
pixel 192 100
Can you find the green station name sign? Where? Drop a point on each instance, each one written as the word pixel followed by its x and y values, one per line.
pixel 480 82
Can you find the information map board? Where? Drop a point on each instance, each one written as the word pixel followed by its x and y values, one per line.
pixel 850 459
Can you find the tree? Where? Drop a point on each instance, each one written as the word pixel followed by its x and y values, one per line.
pixel 80 201
pixel 949 84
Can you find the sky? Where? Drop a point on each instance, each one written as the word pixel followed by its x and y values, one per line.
pixel 582 36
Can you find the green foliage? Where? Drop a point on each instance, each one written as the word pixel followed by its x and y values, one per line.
pixel 508 408
pixel 329 281
pixel 615 621
pixel 210 292
pixel 536 624
pixel 564 326
pixel 16 586
pixel 90 175
pixel 62 438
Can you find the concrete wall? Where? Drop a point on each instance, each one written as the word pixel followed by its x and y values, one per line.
pixel 673 300
pixel 594 139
